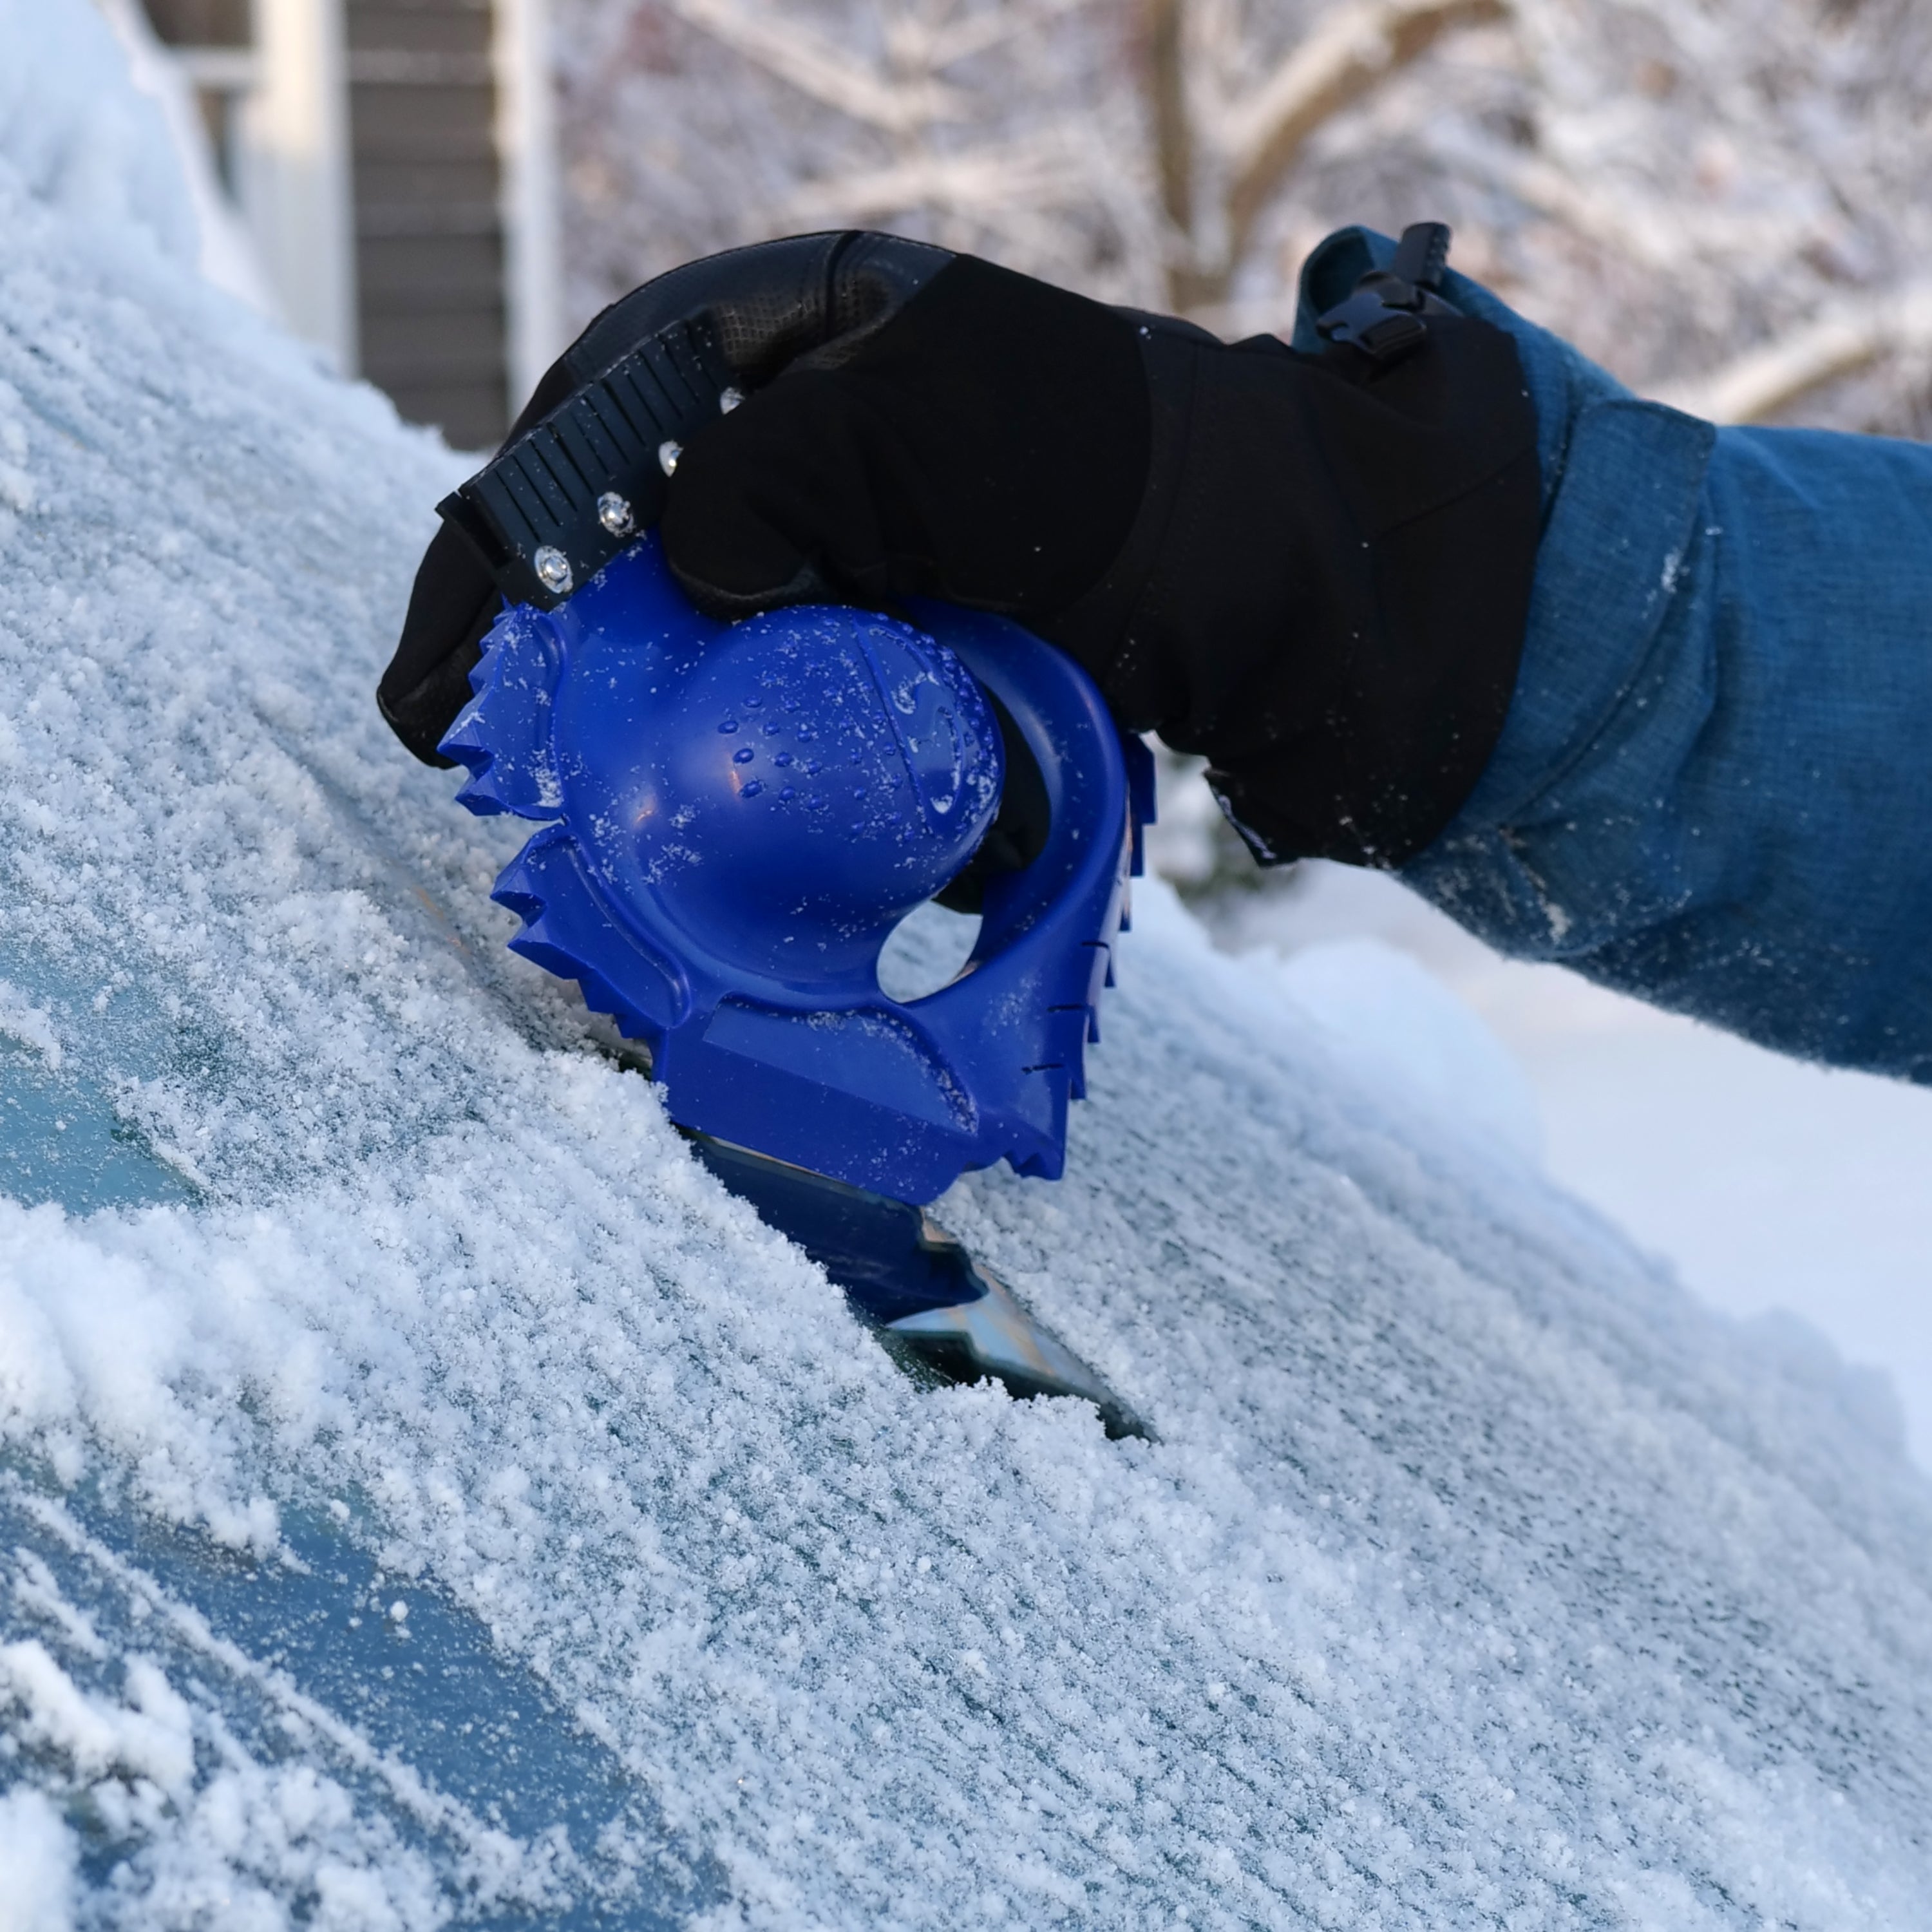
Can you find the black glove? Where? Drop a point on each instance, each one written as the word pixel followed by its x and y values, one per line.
pixel 1314 570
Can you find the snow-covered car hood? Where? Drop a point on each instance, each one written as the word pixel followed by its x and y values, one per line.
pixel 426 1495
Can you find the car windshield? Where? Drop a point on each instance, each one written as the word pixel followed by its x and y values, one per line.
pixel 428 1496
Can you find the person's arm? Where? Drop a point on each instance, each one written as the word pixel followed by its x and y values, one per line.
pixel 1714 789
pixel 1612 686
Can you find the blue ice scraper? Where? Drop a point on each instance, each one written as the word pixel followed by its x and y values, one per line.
pixel 734 819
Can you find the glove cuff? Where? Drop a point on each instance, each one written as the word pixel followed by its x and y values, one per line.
pixel 1326 590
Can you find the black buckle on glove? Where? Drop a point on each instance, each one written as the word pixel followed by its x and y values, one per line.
pixel 1385 314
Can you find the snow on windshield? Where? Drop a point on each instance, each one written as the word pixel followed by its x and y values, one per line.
pixel 428 1497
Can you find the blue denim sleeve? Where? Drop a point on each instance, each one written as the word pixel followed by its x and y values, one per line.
pixel 1714 789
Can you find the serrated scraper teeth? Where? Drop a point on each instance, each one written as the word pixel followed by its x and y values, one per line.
pixel 467 741
pixel 502 737
pixel 518 887
pixel 568 931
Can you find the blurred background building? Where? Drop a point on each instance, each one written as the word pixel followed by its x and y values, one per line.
pixel 391 164
pixel 1725 200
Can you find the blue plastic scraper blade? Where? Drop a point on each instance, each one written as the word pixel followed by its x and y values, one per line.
pixel 734 819
pixel 933 1304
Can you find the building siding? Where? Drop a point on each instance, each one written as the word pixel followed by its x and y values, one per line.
pixel 429 231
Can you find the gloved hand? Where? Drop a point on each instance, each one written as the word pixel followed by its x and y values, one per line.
pixel 1313 570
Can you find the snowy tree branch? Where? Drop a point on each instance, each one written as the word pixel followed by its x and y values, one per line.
pixel 1353 48
pixel 827 73
pixel 1167 102
pixel 976 33
pixel 1764 380
pixel 978 183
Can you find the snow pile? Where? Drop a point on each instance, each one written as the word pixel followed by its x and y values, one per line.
pixel 76 137
pixel 428 1496
pixel 1771 1185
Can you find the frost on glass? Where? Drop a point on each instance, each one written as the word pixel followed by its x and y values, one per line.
pixel 1476 1576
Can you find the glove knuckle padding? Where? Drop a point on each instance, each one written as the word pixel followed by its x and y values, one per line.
pixel 770 303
